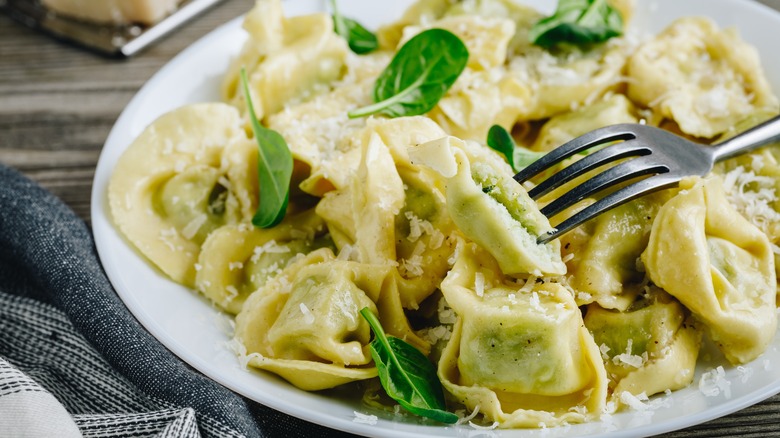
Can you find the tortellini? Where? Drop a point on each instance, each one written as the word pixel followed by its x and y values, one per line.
pixel 554 83
pixel 718 265
pixel 392 213
pixel 522 356
pixel 559 129
pixel 480 96
pixel 238 259
pixel 649 348
pixel 478 100
pixel 522 15
pixel 486 38
pixel 321 135
pixel 424 238
pixel 420 11
pixel 605 268
pixel 304 324
pixel 302 52
pixel 752 184
pixel 186 175
pixel 703 78
pixel 491 208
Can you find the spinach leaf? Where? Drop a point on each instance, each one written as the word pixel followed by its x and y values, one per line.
pixel 578 22
pixel 499 139
pixel 418 76
pixel 407 375
pixel 517 156
pixel 360 39
pixel 274 169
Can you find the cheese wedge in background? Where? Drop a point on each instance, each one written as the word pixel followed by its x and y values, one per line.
pixel 114 11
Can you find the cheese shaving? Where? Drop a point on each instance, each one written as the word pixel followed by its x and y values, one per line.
pixel 753 196
pixel 364 418
pixel 713 383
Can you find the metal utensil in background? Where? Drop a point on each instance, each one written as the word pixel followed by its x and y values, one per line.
pixel 112 40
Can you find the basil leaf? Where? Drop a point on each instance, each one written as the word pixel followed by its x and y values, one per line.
pixel 274 169
pixel 578 22
pixel 517 156
pixel 360 39
pixel 418 76
pixel 407 375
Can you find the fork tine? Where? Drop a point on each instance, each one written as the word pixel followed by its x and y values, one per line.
pixel 619 197
pixel 597 159
pixel 614 175
pixel 579 144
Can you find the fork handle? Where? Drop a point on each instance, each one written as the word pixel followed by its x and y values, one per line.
pixel 755 137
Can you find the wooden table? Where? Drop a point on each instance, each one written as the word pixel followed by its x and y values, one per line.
pixel 58 103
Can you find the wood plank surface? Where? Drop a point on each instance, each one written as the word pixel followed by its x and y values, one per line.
pixel 58 103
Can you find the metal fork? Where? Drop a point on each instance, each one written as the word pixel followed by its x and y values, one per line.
pixel 660 156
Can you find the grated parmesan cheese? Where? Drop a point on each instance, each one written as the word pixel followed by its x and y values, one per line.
pixel 270 247
pixel 364 418
pixel 488 427
pixel 584 297
pixel 437 239
pixel 536 303
pixel 435 334
pixel 467 418
pixel 752 195
pixel 604 349
pixel 479 284
pixel 630 359
pixel 232 293
pixel 528 286
pixel 713 382
pixel 635 402
pixel 308 317
pixel 608 423
pixel 412 267
pixel 236 346
pixel 744 373
pixel 455 254
pixel 166 236
pixel 415 230
pixel 446 314
pixel 189 230
pixel 284 284
pixel 715 103
pixel 609 408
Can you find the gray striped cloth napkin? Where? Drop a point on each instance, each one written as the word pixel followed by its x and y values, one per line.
pixel 73 360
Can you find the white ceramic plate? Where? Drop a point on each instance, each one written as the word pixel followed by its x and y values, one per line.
pixel 190 327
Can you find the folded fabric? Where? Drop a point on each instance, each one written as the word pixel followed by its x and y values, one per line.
pixel 73 360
